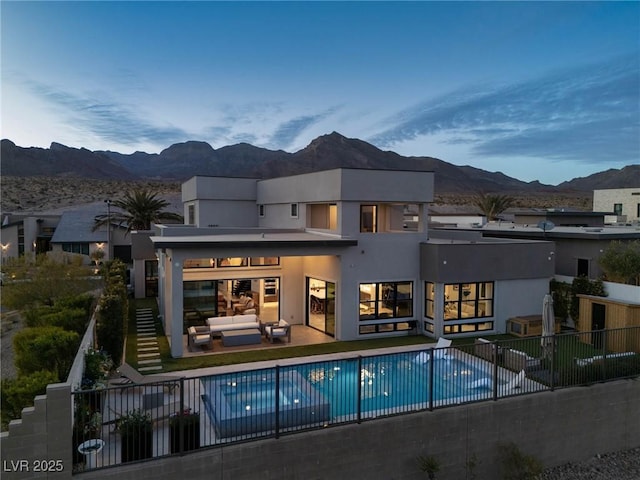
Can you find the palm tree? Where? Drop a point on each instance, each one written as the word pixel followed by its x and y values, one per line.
pixel 138 210
pixel 493 205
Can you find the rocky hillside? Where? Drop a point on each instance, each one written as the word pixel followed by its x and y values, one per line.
pixel 183 160
pixel 58 177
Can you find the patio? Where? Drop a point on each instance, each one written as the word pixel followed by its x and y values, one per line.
pixel 300 336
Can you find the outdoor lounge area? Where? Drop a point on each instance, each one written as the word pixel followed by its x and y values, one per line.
pixel 292 336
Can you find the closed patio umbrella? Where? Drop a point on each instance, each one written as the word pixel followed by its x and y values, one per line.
pixel 548 325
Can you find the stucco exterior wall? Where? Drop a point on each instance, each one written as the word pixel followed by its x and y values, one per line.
pixel 604 200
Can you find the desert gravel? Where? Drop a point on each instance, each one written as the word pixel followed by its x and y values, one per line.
pixel 624 465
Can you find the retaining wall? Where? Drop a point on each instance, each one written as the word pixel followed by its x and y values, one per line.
pixel 557 427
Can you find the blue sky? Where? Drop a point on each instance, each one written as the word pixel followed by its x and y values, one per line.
pixel 543 91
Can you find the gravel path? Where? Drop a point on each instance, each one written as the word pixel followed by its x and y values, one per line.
pixel 623 465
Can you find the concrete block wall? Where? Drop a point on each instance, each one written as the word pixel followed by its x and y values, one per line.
pixel 39 445
pixel 556 427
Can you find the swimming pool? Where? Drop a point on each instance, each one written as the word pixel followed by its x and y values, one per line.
pixel 245 403
pixel 338 391
pixel 390 384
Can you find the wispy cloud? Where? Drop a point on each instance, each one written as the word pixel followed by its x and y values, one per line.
pixel 288 131
pixel 105 118
pixel 588 114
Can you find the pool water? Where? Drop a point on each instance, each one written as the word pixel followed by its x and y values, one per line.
pixel 245 402
pixel 244 397
pixel 391 383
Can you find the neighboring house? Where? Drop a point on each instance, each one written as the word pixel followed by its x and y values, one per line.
pixel 331 250
pixel 69 231
pixel 577 249
pixel 559 217
pixel 623 203
pixel 27 233
pixel 74 234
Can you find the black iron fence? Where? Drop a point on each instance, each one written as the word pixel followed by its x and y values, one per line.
pixel 133 422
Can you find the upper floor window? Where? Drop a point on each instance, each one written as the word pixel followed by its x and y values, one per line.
pixel 261 210
pixel 386 300
pixel 191 215
pixel 617 208
pixel 322 215
pixel 368 218
pixel 294 210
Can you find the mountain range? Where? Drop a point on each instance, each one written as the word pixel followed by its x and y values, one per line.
pixel 184 160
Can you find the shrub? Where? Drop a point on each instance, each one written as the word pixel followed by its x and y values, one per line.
pixel 73 320
pixel 84 301
pixel 135 422
pixel 429 465
pixel 20 392
pixel 97 365
pixel 45 348
pixel 110 330
pixel 517 465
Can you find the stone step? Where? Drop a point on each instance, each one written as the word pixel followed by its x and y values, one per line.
pixel 150 369
pixel 148 355
pixel 149 362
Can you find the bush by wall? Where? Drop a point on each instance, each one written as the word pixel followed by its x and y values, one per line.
pixel 45 348
pixel 113 312
pixel 19 393
pixel 110 325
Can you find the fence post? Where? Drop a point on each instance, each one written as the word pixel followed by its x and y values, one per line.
pixel 180 420
pixel 277 426
pixel 552 367
pixel 495 349
pixel 603 372
pixel 431 371
pixel 359 389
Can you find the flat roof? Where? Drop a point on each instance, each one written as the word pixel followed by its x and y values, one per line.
pixel 519 230
pixel 254 239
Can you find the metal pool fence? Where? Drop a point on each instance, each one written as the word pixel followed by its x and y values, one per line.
pixel 129 423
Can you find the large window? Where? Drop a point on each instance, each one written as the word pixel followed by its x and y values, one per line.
pixel 386 300
pixel 468 300
pixel 230 262
pixel 368 218
pixel 322 215
pixel 82 248
pixel 430 296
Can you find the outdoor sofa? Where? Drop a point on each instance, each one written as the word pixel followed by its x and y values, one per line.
pixel 236 322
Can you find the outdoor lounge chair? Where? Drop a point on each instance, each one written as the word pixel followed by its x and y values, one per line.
pixel 514 383
pixel 130 376
pixel 199 336
pixel 506 388
pixel 282 329
pixel 443 344
pixel 423 357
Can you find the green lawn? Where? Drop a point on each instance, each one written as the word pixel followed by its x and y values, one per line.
pixel 569 347
pixel 173 364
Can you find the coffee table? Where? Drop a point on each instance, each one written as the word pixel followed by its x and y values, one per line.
pixel 248 336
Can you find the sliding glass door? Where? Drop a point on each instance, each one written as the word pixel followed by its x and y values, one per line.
pixel 321 305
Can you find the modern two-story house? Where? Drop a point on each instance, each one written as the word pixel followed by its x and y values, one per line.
pixel 343 251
